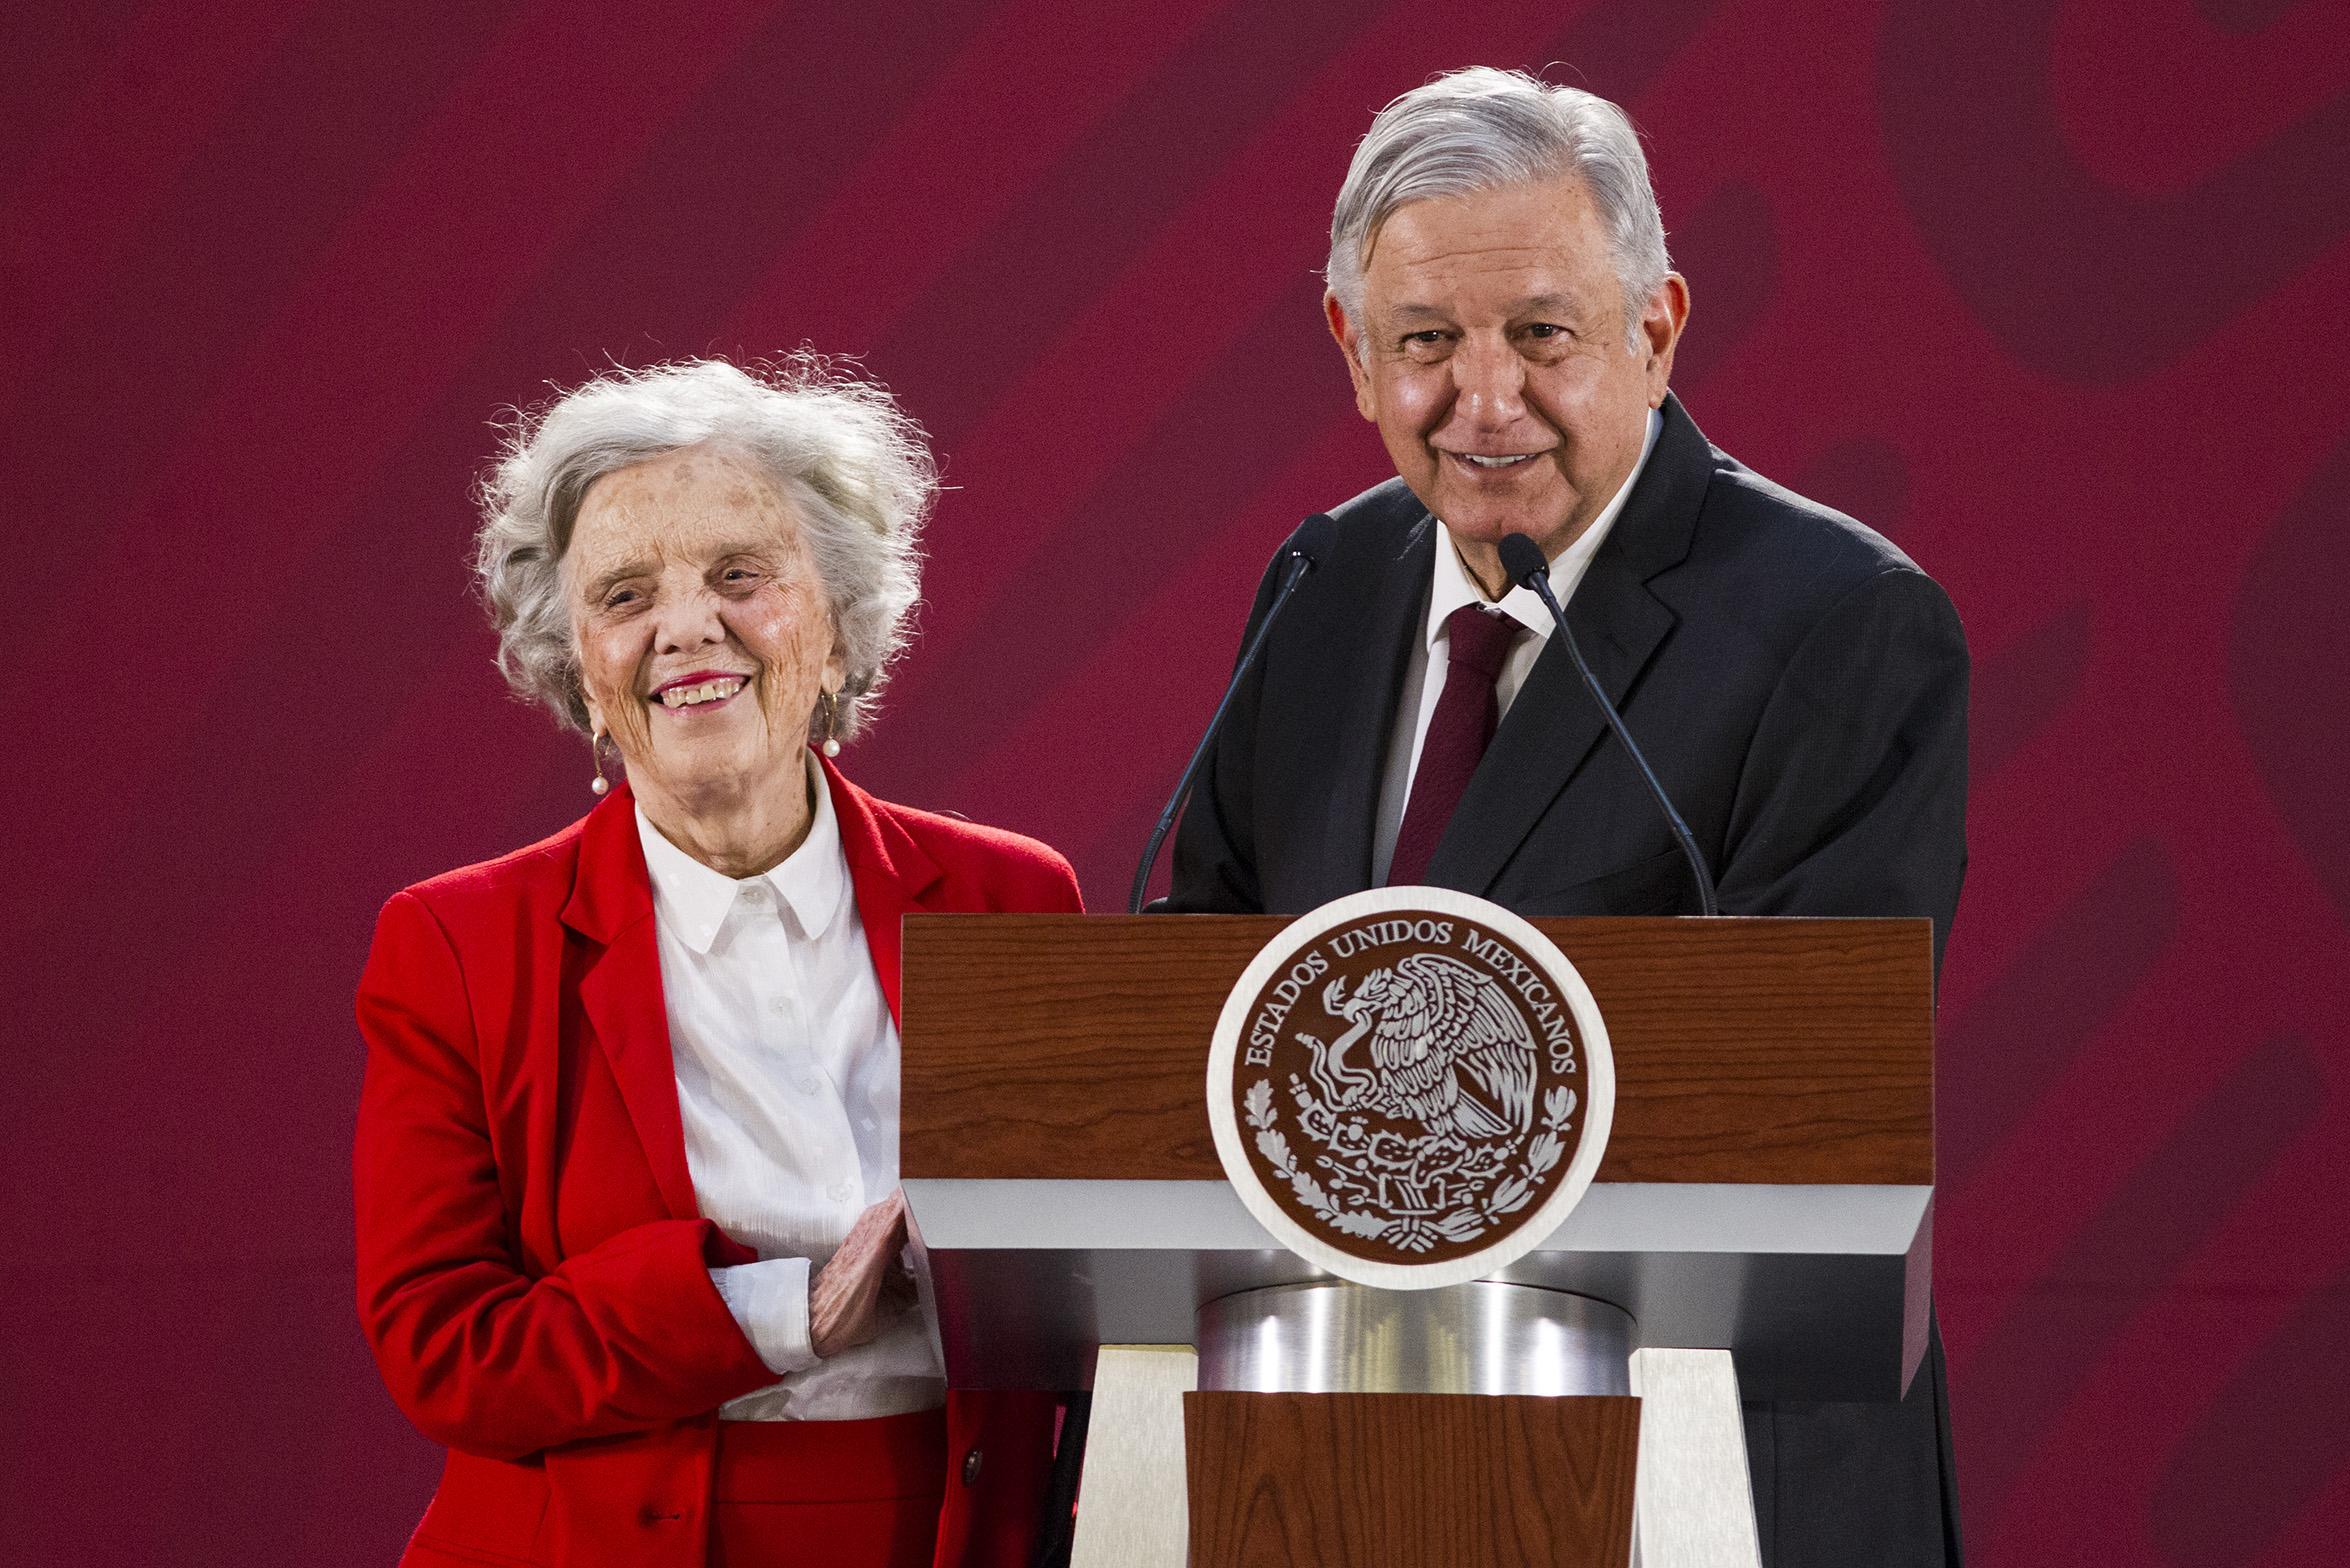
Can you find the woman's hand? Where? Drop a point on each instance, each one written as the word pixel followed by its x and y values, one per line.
pixel 865 1284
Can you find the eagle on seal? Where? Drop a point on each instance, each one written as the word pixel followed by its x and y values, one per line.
pixel 1447 1049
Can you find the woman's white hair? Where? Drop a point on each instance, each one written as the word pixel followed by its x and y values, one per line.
pixel 1481 129
pixel 854 465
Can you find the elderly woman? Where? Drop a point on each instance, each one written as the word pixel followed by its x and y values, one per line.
pixel 629 1235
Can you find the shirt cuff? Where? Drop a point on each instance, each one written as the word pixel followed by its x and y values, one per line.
pixel 769 1300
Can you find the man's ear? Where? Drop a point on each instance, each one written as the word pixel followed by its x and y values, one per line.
pixel 1660 331
pixel 1349 338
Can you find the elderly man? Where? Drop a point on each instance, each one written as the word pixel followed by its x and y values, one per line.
pixel 1499 286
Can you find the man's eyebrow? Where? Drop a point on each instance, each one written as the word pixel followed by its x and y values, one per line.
pixel 1532 305
pixel 1546 305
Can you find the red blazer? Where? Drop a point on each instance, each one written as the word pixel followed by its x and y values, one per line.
pixel 533 1274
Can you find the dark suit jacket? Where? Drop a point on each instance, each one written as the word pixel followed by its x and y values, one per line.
pixel 533 1270
pixel 1800 688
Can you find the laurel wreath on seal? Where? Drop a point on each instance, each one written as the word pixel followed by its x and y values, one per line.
pixel 1413 1233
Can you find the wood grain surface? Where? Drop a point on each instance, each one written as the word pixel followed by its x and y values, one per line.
pixel 1409 1480
pixel 1747 1050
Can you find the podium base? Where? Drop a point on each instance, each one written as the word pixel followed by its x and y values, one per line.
pixel 1311 1441
pixel 1410 1481
pixel 1327 1431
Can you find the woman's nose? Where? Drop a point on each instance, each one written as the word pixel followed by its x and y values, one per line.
pixel 689 621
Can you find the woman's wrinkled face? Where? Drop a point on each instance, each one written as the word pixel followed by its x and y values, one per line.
pixel 703 631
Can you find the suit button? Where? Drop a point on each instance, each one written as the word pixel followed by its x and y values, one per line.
pixel 971 1463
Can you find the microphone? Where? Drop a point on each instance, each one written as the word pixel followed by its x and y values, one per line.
pixel 1522 558
pixel 1307 546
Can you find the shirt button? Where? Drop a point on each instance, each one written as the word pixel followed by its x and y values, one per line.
pixel 807 1085
pixel 971 1465
pixel 840 1191
pixel 781 1004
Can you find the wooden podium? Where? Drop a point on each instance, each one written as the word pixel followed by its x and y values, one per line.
pixel 1766 1191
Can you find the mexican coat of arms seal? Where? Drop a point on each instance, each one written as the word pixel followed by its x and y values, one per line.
pixel 1410 1087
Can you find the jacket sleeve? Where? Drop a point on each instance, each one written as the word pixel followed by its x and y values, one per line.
pixel 1215 847
pixel 482 1354
pixel 1852 797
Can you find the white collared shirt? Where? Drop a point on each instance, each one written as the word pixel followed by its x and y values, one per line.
pixel 1449 588
pixel 787 1083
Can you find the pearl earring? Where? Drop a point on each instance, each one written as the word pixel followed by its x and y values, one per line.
pixel 831 746
pixel 602 785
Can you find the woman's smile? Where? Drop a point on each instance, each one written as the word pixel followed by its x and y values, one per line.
pixel 702 692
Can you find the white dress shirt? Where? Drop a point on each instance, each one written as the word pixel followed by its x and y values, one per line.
pixel 1449 588
pixel 787 1082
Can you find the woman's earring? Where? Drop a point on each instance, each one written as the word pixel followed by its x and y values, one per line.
pixel 602 785
pixel 831 747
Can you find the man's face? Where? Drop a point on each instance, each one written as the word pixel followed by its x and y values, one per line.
pixel 1493 357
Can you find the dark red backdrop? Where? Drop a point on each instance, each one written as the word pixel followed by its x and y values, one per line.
pixel 2053 297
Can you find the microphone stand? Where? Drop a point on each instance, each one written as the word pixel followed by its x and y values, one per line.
pixel 1311 538
pixel 1523 559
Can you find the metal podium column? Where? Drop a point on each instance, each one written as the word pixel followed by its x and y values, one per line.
pixel 1331 1337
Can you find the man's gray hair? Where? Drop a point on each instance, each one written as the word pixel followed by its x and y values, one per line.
pixel 1481 129
pixel 854 466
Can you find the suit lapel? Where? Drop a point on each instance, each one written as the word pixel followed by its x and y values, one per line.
pixel 620 990
pixel 888 870
pixel 1366 684
pixel 1553 726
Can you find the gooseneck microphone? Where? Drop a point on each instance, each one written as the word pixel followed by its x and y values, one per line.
pixel 1522 558
pixel 1307 546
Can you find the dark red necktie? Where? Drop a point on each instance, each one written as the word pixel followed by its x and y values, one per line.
pixel 1458 733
